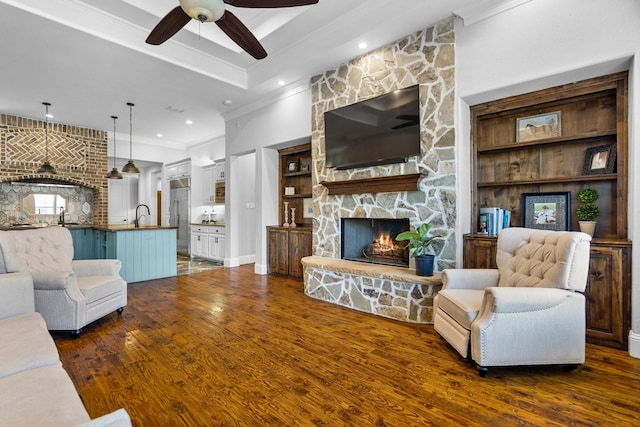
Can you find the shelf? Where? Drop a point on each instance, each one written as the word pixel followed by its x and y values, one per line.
pixel 297 196
pixel 290 174
pixel 548 141
pixel 603 177
pixel 384 184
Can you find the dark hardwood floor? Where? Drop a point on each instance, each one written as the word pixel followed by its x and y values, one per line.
pixel 228 347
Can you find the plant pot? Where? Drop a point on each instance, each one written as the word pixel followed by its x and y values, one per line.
pixel 424 265
pixel 588 227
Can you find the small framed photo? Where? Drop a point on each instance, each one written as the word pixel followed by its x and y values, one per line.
pixel 546 211
pixel 540 126
pixel 304 168
pixel 599 160
pixel 292 166
pixel 307 208
pixel 289 191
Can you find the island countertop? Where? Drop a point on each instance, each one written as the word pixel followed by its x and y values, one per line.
pixel 131 227
pixel 101 227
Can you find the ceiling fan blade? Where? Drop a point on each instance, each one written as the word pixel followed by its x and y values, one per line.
pixel 269 3
pixel 240 34
pixel 168 26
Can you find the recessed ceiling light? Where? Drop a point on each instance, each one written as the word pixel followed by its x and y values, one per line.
pixel 226 102
pixel 159 135
pixel 49 116
pixel 280 82
pixel 189 122
pixel 362 45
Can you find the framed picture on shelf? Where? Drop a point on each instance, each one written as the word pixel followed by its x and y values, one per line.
pixel 546 211
pixel 600 160
pixel 292 166
pixel 540 126
pixel 307 208
pixel 304 168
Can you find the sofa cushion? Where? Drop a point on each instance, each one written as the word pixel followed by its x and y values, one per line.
pixel 462 305
pixel 94 288
pixel 43 249
pixel 26 344
pixel 41 397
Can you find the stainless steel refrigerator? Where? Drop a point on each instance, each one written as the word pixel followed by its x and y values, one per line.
pixel 179 212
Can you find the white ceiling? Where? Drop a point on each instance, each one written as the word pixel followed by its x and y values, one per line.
pixel 88 58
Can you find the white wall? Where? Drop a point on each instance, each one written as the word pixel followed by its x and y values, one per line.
pixel 545 43
pixel 286 122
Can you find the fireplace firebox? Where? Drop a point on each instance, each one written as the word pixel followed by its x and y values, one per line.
pixel 373 240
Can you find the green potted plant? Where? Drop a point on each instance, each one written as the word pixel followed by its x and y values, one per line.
pixel 587 212
pixel 419 242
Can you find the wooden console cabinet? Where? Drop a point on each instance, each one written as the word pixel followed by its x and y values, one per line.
pixel 608 291
pixel 286 248
pixel 288 245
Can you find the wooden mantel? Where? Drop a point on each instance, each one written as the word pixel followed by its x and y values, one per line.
pixel 383 184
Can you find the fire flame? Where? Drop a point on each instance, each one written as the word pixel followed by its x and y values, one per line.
pixel 384 243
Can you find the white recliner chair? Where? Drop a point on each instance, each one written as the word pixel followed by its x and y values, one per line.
pixel 528 311
pixel 68 294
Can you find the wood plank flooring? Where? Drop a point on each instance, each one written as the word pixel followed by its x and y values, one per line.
pixel 231 348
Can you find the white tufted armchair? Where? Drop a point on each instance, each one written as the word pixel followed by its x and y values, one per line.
pixel 526 312
pixel 69 294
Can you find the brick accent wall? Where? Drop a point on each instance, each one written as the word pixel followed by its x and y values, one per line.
pixel 78 154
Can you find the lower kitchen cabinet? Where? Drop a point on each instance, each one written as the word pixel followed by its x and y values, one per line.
pixel 608 291
pixel 145 254
pixel 83 243
pixel 286 248
pixel 207 241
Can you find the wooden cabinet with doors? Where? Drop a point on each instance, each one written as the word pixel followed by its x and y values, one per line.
pixel 288 245
pixel 507 160
pixel 286 248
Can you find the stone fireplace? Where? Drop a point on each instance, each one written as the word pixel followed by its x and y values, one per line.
pixel 373 240
pixel 426 58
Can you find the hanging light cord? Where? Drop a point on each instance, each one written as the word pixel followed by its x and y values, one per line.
pixel 46 131
pixel 114 140
pixel 130 130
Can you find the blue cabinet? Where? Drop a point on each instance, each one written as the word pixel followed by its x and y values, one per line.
pixel 145 254
pixel 83 243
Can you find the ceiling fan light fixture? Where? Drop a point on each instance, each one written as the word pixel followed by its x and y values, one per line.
pixel 46 166
pixel 203 10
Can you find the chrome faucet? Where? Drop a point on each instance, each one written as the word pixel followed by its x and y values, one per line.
pixel 136 222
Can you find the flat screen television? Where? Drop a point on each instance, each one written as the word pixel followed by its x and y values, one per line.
pixel 377 131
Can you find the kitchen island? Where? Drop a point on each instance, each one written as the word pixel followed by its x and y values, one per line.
pixel 148 252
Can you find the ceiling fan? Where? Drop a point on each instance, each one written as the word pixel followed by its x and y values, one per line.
pixel 214 11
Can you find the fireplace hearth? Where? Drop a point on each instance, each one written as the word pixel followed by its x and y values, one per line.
pixel 373 240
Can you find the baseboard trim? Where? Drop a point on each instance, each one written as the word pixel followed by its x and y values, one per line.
pixel 634 345
pixel 261 269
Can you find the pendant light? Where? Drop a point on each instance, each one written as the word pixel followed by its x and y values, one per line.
pixel 46 167
pixel 114 174
pixel 130 167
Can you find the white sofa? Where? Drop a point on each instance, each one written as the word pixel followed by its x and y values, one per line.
pixel 35 390
pixel 528 311
pixel 69 294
